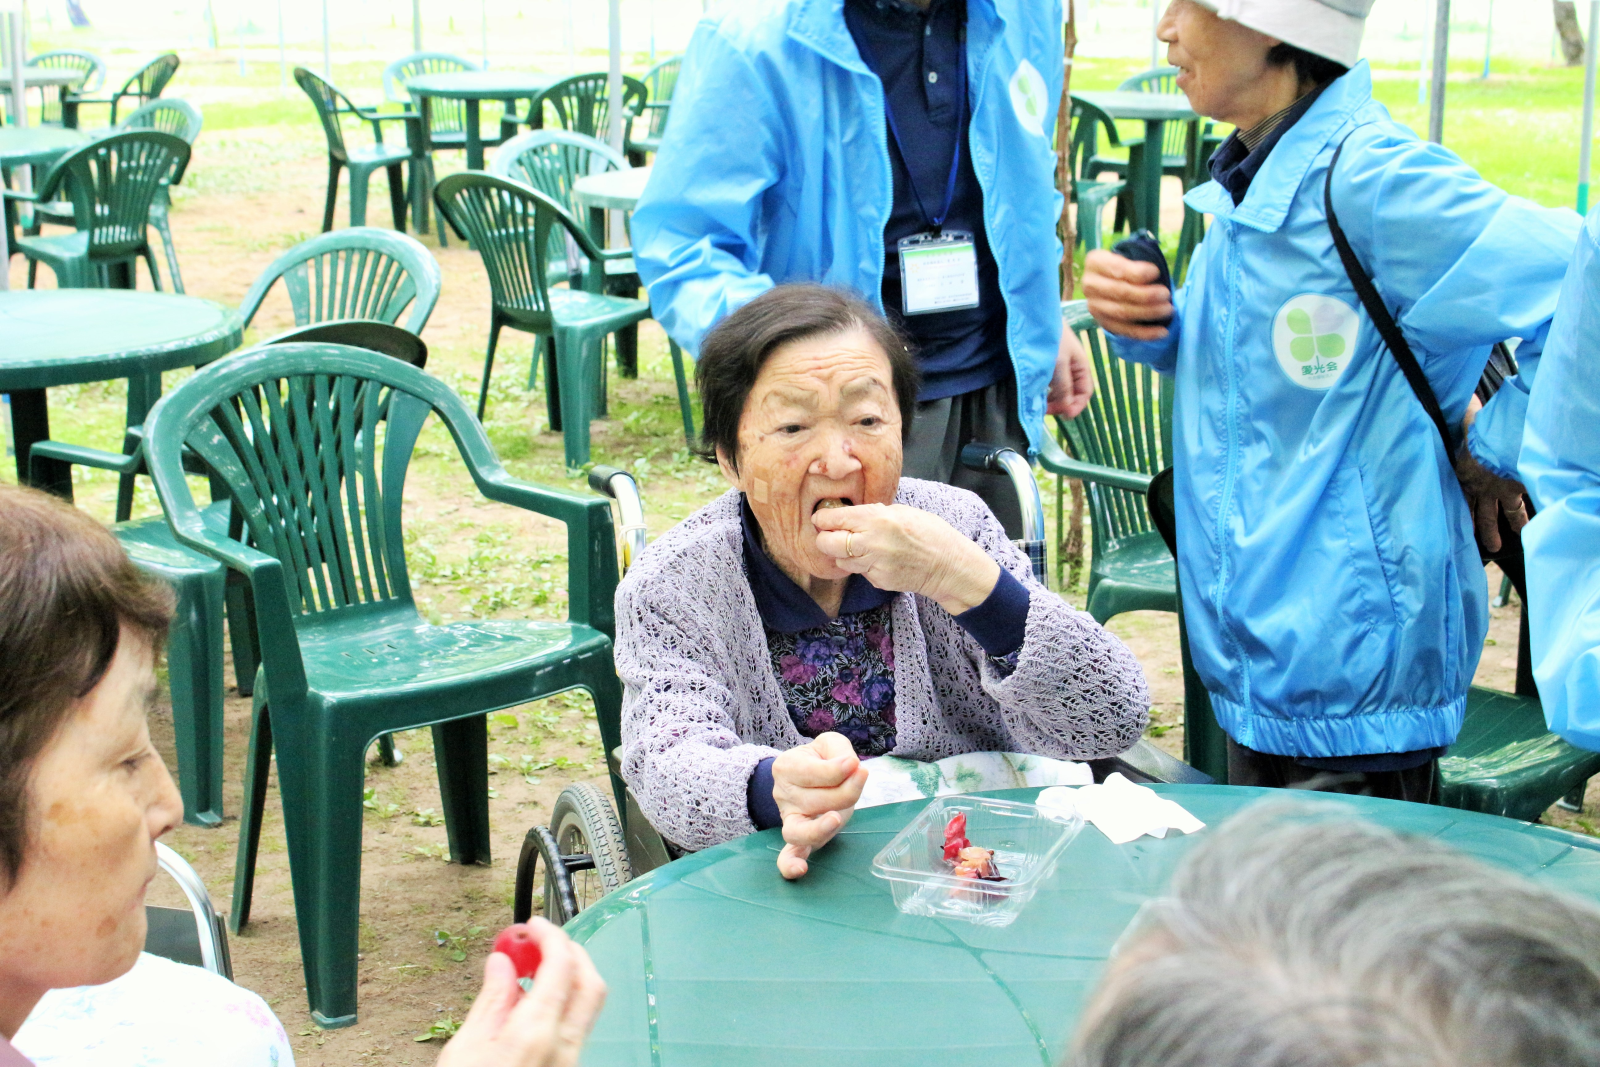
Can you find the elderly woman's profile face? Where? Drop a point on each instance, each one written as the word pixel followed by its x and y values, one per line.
pixel 821 427
pixel 1220 63
pixel 98 797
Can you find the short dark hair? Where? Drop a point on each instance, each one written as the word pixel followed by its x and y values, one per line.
pixel 66 590
pixel 733 353
pixel 1309 67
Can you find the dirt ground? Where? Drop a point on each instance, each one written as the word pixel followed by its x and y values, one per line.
pixel 426 924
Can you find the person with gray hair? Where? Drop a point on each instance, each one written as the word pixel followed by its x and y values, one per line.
pixel 1297 938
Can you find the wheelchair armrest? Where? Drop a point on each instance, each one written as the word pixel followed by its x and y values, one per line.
pixel 1145 763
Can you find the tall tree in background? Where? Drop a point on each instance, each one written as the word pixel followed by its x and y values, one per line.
pixel 1567 29
pixel 1069 548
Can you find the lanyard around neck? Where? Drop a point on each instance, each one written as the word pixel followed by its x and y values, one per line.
pixel 937 222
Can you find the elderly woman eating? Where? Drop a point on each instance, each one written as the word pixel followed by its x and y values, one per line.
pixel 825 610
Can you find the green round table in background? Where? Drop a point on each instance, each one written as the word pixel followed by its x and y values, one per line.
pixel 65 336
pixel 1155 110
pixel 37 146
pixel 613 190
pixel 473 87
pixel 714 960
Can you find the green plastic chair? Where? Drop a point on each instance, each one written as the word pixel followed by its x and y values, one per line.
pixel 551 161
pixel 330 105
pixel 111 184
pixel 92 70
pixel 294 431
pixel 1091 196
pixel 359 273
pixel 510 225
pixel 145 85
pixel 582 104
pixel 660 82
pixel 1119 442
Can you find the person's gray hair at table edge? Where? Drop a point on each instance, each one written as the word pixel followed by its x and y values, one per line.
pixel 1294 937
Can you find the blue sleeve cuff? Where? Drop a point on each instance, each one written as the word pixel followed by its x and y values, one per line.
pixel 1001 621
pixel 763 808
pixel 1495 438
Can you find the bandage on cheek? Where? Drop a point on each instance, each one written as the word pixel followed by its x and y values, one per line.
pixel 760 492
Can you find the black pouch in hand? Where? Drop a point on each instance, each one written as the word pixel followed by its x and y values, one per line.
pixel 1143 247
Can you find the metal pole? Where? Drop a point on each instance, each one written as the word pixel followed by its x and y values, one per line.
pixel 1441 67
pixel 1488 39
pixel 19 116
pixel 1155 20
pixel 1591 50
pixel 1422 71
pixel 327 46
pixel 483 10
pixel 416 25
pixel 614 84
pixel 283 54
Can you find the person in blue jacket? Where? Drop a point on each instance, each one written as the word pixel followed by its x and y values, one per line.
pixel 1560 464
pixel 1333 591
pixel 896 148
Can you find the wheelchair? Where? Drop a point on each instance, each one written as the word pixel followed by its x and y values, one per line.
pixel 587 850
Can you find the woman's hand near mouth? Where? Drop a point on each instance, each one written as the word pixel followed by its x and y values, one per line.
pixel 904 550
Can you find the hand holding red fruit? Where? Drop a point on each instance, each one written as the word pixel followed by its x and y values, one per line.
pixel 519 942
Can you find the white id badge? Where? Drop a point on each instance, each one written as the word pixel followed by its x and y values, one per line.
pixel 938 272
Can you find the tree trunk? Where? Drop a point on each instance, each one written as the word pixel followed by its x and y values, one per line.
pixel 1069 550
pixel 1567 27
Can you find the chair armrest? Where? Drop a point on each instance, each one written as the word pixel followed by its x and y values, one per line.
pixel 1145 763
pixel 1054 460
pixel 15 194
pixel 372 114
pixel 84 456
pixel 591 541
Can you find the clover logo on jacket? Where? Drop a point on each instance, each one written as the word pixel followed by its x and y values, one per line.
pixel 1314 338
pixel 1028 93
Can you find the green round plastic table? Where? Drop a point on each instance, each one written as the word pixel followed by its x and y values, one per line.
pixel 1155 110
pixel 37 145
pixel 66 336
pixel 714 960
pixel 614 190
pixel 473 87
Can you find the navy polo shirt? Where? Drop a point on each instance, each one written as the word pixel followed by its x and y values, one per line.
pixel 918 56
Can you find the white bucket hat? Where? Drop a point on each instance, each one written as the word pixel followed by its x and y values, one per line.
pixel 1328 28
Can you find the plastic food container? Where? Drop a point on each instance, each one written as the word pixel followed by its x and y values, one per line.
pixel 1026 842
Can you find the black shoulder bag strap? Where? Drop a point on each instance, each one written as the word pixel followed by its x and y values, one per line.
pixel 1380 316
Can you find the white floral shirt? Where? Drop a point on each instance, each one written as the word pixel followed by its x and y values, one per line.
pixel 159 1014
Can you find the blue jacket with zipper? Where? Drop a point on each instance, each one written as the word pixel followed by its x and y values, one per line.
pixel 775 168
pixel 1332 588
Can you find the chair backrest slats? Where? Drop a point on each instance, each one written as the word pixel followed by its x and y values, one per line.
pixel 446 115
pixel 147 82
pixel 356 273
pixel 662 83
pixel 582 103
pixel 92 75
pixel 111 183
pixel 1162 80
pixel 177 117
pixel 1127 425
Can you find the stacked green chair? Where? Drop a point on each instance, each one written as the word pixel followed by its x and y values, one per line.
pixel 177 117
pixel 1091 197
pixel 1119 442
pixel 551 161
pixel 362 274
pixel 582 104
pixel 510 226
pixel 92 71
pixel 145 85
pixel 331 105
pixel 294 432
pixel 111 184
pixel 660 83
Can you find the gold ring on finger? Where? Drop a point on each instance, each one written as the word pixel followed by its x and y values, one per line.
pixel 848 550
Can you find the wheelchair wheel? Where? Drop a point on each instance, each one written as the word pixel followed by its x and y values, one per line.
pixel 585 856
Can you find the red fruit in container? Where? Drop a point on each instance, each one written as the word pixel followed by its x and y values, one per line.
pixel 955 835
pixel 518 942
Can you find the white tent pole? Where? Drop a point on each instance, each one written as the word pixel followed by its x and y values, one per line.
pixel 483 10
pixel 1422 64
pixel 19 116
pixel 1591 49
pixel 1155 20
pixel 283 54
pixel 614 84
pixel 1488 39
pixel 1441 68
pixel 327 46
pixel 416 25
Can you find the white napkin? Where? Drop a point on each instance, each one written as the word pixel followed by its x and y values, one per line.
pixel 1122 810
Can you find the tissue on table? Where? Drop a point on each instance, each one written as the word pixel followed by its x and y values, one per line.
pixel 1120 809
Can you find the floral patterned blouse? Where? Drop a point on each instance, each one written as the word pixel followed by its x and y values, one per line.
pixel 840 677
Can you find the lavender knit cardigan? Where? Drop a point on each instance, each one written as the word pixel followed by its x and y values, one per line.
pixel 701 704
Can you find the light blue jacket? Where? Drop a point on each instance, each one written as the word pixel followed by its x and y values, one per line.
pixel 1560 465
pixel 775 169
pixel 1334 597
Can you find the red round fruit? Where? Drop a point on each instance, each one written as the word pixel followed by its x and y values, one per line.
pixel 518 942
